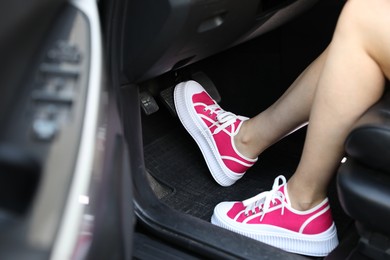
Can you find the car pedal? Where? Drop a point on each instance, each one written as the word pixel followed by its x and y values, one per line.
pixel 167 98
pixel 148 103
pixel 200 77
pixel 208 85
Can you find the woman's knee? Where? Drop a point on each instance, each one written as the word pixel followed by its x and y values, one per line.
pixel 356 17
pixel 367 23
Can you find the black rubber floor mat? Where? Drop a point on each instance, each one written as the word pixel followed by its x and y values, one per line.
pixel 176 161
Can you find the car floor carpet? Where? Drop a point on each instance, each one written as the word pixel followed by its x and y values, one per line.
pixel 175 161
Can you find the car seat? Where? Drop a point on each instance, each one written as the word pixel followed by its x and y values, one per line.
pixel 363 182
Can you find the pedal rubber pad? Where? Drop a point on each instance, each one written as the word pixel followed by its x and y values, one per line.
pixel 148 103
pixel 167 98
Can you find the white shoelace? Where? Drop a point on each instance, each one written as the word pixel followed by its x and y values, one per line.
pixel 263 200
pixel 223 118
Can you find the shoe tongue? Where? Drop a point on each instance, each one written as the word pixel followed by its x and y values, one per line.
pixel 283 189
pixel 240 120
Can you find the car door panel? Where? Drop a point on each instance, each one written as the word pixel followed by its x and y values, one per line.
pixel 56 137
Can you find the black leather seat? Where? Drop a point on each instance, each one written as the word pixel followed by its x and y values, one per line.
pixel 364 180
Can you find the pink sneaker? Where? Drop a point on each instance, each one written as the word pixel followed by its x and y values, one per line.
pixel 269 218
pixel 213 130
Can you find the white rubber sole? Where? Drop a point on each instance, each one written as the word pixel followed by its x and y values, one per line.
pixel 318 245
pixel 187 115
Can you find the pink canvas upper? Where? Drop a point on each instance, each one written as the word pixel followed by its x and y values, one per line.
pixel 223 139
pixel 313 221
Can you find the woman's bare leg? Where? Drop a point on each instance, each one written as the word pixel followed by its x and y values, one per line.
pixel 332 93
pixel 288 113
pixel 352 80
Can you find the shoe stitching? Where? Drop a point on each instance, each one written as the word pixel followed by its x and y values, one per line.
pixel 311 218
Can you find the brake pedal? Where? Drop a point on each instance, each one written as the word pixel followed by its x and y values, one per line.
pixel 200 77
pixel 208 85
pixel 167 98
pixel 148 103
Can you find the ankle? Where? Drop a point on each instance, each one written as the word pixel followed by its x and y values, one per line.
pixel 244 142
pixel 303 206
pixel 304 200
